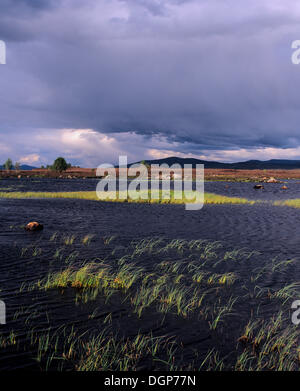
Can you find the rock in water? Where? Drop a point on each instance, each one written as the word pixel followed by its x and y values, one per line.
pixel 258 187
pixel 272 180
pixel 34 226
pixel 284 187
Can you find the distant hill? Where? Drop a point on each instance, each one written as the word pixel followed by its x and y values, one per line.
pixel 22 167
pixel 283 164
pixel 247 165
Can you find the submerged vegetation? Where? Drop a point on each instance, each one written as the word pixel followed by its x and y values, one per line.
pixel 229 319
pixel 175 197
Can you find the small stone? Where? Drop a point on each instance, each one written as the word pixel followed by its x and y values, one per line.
pixel 34 226
pixel 258 187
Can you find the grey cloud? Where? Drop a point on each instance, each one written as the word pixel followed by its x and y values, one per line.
pixel 210 75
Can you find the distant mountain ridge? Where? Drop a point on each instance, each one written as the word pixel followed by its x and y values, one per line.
pixel 247 165
pixel 22 167
pixel 284 164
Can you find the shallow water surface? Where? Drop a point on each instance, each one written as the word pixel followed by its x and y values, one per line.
pixel 26 257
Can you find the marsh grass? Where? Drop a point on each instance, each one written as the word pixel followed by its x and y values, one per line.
pixel 220 312
pixel 178 287
pixel 66 348
pixel 36 251
pixel 108 239
pixel 54 237
pixel 212 362
pixel 197 281
pixel 108 353
pixel 59 253
pixel 68 240
pixel 287 292
pixel 269 345
pixel 294 203
pixel 209 198
pixel 7 341
pixel 86 240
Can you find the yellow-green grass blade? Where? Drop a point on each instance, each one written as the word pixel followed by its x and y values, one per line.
pixel 175 197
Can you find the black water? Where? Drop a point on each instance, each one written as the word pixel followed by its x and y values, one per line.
pixel 271 191
pixel 273 231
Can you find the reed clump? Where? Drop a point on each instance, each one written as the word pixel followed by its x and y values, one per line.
pixel 209 198
pixel 195 282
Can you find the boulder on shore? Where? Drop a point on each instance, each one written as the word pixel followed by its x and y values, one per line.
pixel 34 226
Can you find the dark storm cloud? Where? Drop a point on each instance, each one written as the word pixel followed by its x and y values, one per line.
pixel 16 18
pixel 210 75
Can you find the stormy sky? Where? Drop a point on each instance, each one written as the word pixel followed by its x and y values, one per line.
pixel 94 79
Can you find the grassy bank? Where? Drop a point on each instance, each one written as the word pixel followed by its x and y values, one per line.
pixel 209 198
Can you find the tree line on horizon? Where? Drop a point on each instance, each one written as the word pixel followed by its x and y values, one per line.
pixel 60 164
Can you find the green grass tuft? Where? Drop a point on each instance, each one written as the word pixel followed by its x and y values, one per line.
pixel 209 198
